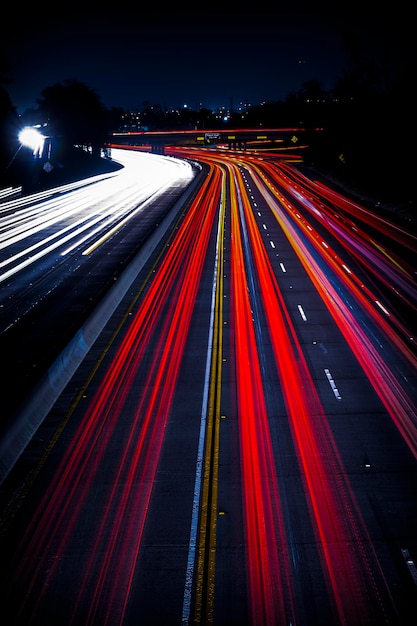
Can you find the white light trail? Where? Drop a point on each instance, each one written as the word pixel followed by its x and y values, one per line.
pixel 92 209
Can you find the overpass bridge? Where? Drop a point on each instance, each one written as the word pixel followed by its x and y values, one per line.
pixel 287 139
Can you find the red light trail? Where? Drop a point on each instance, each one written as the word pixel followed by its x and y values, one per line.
pixel 101 490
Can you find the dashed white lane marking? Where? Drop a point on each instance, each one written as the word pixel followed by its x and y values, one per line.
pixel 332 384
pixel 282 266
pixel 410 564
pixel 303 315
pixel 382 307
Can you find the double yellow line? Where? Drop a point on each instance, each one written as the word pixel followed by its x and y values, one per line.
pixel 204 595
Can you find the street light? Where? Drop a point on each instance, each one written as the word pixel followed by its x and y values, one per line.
pixel 32 138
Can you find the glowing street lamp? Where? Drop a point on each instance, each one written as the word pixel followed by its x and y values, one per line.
pixel 32 138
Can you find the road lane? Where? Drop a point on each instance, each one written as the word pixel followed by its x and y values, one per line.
pixel 332 506
pixel 46 304
pixel 128 413
pixel 238 446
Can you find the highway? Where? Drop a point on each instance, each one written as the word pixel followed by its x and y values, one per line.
pixel 50 242
pixel 236 444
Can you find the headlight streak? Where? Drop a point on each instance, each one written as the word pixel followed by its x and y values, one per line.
pixel 29 207
pixel 125 220
pixel 46 249
pixel 106 202
pixel 42 217
pixel 40 196
pixel 119 212
pixel 169 299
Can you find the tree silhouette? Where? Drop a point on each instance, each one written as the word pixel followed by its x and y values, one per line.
pixel 74 114
pixel 8 124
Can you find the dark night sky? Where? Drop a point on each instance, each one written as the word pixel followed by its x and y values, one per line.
pixel 189 53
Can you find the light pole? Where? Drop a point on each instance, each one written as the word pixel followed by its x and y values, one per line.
pixel 29 137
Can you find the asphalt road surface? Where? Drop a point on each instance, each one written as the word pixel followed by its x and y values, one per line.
pixel 238 444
